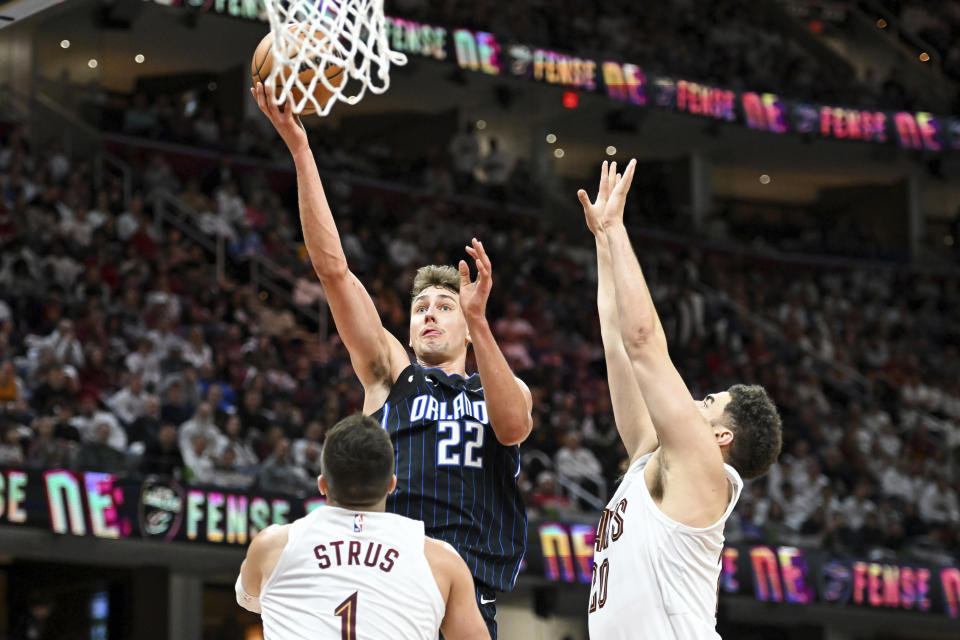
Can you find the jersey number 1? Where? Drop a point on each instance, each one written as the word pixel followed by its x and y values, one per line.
pixel 347 610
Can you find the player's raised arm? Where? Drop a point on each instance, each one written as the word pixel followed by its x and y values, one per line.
pixel 629 410
pixel 509 403
pixel 686 437
pixel 377 356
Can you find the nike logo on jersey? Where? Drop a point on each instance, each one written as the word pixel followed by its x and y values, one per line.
pixel 485 601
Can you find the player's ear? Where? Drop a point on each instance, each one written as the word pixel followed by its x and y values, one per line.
pixel 393 484
pixel 723 435
pixel 322 485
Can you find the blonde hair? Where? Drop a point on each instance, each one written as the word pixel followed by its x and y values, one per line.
pixel 436 275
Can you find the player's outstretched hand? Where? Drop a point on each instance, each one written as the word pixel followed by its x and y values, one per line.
pixel 620 186
pixel 593 212
pixel 282 118
pixel 473 295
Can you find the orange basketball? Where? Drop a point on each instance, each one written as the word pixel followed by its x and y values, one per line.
pixel 263 61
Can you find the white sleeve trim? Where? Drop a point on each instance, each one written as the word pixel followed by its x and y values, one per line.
pixel 245 600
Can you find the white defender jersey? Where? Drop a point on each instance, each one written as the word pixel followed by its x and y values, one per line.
pixel 653 577
pixel 352 575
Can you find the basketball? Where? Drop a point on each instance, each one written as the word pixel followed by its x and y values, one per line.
pixel 262 63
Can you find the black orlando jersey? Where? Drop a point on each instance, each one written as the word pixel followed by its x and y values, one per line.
pixel 453 473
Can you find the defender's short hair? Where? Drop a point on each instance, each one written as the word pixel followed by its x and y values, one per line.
pixel 756 427
pixel 357 461
pixel 435 275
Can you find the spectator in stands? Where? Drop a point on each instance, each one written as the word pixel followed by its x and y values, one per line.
pixel 96 376
pixel 515 333
pixel 64 345
pixel 200 424
pixel 279 474
pixel 11 443
pixel 938 503
pixel 579 465
pixel 276 319
pixel 146 426
pixel 194 197
pixel 11 387
pixel 252 415
pixel 198 459
pixel 89 417
pixel 46 450
pixel 226 473
pixel 196 351
pixel 159 175
pixel 547 501
pixel 96 454
pixel 129 221
pixel 308 449
pixel 162 456
pixel 128 403
pixel 233 439
pixel 857 506
pixel 145 362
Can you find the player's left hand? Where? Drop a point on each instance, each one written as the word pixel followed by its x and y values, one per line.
pixel 473 295
pixel 593 212
pixel 613 211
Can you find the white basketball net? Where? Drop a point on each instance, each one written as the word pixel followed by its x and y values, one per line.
pixel 355 41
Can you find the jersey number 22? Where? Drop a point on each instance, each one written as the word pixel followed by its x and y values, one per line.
pixel 451 434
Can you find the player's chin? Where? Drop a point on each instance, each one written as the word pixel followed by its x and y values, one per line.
pixel 431 350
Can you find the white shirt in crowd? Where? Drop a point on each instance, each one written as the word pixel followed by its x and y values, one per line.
pixel 581 463
pixel 127 405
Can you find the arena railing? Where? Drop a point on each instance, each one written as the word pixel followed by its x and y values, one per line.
pixel 264 273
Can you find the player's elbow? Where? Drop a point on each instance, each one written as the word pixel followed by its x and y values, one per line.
pixel 513 432
pixel 331 270
pixel 639 342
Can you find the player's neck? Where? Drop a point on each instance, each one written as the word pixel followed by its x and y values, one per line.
pixel 456 366
pixel 379 506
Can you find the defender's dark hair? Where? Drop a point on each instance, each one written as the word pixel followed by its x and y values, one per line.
pixel 756 430
pixel 436 275
pixel 357 461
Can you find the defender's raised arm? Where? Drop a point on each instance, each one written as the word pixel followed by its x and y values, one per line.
pixel 689 446
pixel 629 410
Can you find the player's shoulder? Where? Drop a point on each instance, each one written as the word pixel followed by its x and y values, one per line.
pixel 440 553
pixel 273 537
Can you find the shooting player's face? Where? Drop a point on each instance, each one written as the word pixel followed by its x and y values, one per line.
pixel 438 330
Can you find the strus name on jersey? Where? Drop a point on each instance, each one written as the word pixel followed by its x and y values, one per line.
pixel 427 408
pixel 342 553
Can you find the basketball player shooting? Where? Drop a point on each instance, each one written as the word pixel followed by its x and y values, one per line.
pixel 659 541
pixel 456 437
pixel 348 570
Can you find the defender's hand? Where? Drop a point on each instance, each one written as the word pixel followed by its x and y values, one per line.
pixel 283 119
pixel 594 212
pixel 620 186
pixel 473 295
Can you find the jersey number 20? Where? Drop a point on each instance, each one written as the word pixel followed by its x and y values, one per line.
pixel 451 434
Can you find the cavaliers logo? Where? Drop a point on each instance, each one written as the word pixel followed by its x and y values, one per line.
pixel 161 508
